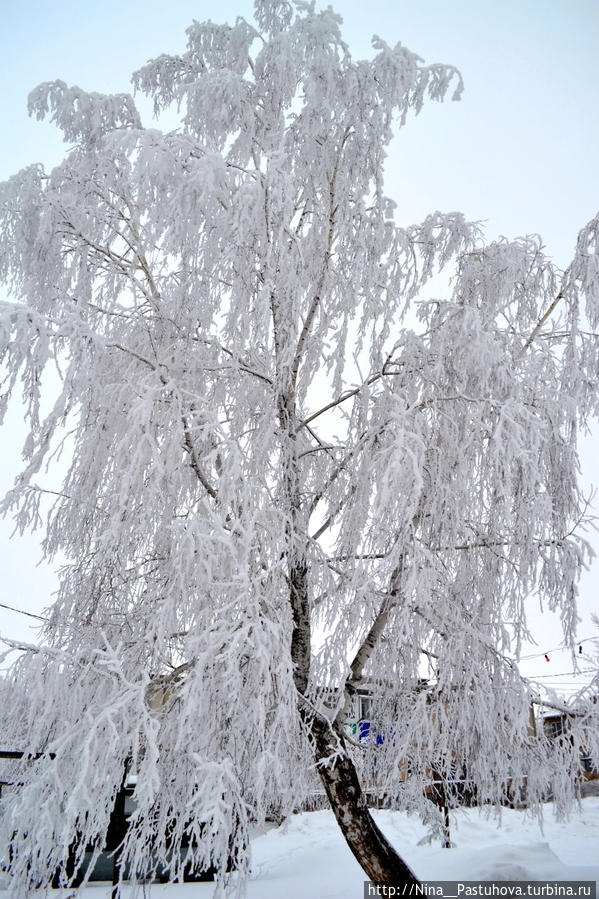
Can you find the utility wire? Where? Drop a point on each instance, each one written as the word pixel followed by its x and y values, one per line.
pixel 564 673
pixel 536 655
pixel 22 612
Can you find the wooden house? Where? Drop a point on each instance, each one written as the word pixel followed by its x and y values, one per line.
pixel 557 726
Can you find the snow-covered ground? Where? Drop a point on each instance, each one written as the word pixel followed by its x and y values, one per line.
pixel 307 858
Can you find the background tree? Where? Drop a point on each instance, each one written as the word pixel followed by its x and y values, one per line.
pixel 287 471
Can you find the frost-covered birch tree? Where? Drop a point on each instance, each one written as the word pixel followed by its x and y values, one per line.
pixel 287 473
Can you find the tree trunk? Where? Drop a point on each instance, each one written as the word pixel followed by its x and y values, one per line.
pixel 376 856
pixel 116 833
pixel 372 850
pixel 374 853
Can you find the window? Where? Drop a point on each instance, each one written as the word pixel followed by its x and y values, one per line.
pixel 554 727
pixel 365 708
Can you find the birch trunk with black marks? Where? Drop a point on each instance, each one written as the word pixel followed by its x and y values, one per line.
pixel 371 848
pixel 374 853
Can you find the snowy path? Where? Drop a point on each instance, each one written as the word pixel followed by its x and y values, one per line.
pixel 307 858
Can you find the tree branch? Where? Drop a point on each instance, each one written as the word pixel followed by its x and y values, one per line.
pixel 330 236
pixel 195 462
pixel 368 644
pixel 540 324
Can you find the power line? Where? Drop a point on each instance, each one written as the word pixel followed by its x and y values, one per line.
pixel 22 612
pixel 564 673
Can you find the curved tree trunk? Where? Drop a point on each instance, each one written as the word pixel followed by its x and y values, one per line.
pixel 374 853
pixel 376 856
pixel 372 850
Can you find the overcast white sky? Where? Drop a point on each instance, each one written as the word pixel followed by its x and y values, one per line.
pixel 519 152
